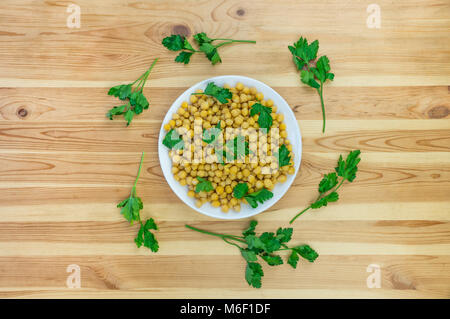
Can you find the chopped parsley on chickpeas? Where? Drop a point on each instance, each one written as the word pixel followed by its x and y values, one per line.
pixel 231 158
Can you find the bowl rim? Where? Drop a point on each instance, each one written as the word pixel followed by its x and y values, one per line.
pixel 169 176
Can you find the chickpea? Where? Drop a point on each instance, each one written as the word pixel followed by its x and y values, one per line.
pixel 191 193
pixel 282 178
pixel 268 183
pixel 198 203
pixel 237 208
pixel 239 86
pixel 193 99
pixel 259 96
pixel 291 170
pixel 225 208
pixel 215 203
pixel 220 189
pixel 235 112
pixel 259 184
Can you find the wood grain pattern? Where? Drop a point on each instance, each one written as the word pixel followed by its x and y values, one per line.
pixel 64 165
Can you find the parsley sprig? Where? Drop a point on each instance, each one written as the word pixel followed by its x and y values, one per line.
pixel 130 209
pixel 205 44
pixel 264 246
pixel 330 183
pixel 137 102
pixel 283 155
pixel 260 196
pixel 304 55
pixel 264 115
pixel 221 94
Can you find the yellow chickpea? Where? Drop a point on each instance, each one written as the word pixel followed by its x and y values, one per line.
pixel 228 189
pixel 282 126
pixel 259 184
pixel 259 96
pixel 237 208
pixel 215 203
pixel 233 169
pixel 198 203
pixel 239 86
pixel 268 183
pixel 269 103
pixel 219 189
pixel 193 99
pixel 235 112
pixel 282 178
pixel 225 208
pixel 167 127
pixel 291 170
pixel 283 134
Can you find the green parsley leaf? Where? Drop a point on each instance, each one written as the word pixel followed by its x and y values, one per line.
pixel 221 94
pixel 293 259
pixel 131 208
pixel 329 184
pixel 210 53
pixel 202 38
pixel 203 185
pixel 178 42
pixel 137 102
pixel 184 57
pixel 265 118
pixel 306 252
pixel 249 255
pixel 304 55
pixel 284 235
pixel 283 156
pixel 263 246
pixel 173 140
pixel 258 197
pixel 272 260
pixel 253 274
pixel 240 190
pixel 174 42
pixel 271 243
pixel 348 169
pixel 331 197
pixel 146 237
pixel 251 229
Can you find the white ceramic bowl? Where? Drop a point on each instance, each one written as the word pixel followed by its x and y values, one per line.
pixel 294 136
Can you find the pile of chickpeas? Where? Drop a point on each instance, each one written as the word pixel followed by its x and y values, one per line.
pixel 234 114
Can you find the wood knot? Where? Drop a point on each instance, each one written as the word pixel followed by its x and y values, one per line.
pixel 240 12
pixel 435 176
pixel 22 112
pixel 438 112
pixel 181 30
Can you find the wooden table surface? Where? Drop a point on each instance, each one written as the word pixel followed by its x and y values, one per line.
pixel 64 166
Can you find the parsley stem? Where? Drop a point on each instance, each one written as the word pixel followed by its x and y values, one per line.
pixel 246 41
pixel 296 216
pixel 223 236
pixel 323 106
pixel 232 41
pixel 143 78
pixel 133 191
